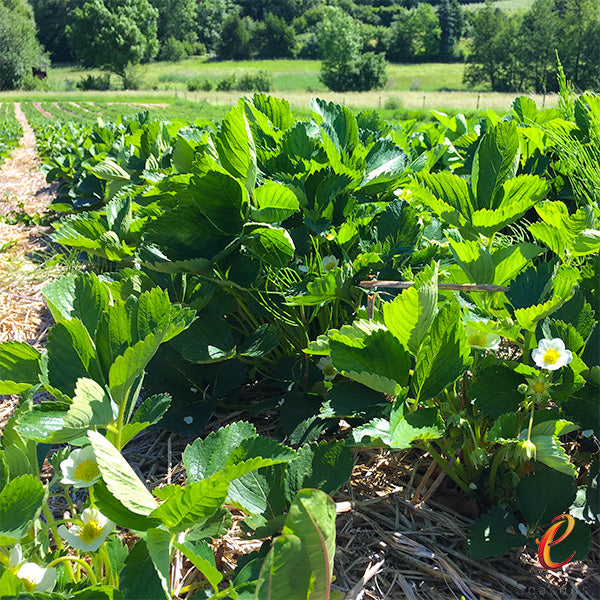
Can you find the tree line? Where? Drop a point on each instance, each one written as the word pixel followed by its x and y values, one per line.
pixel 515 52
pixel 353 38
pixel 245 29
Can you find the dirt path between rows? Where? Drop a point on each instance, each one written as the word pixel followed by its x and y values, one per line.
pixel 23 189
pixel 43 112
pixel 24 315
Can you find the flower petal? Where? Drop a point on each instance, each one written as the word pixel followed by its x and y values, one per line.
pixel 69 535
pixel 37 578
pixel 543 344
pixel 15 558
pixel 538 356
pixel 48 580
pixel 557 344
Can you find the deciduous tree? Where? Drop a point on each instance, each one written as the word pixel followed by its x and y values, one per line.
pixel 344 67
pixel 114 34
pixel 52 18
pixel 415 35
pixel 19 47
pixel 577 21
pixel 539 36
pixel 339 36
pixel 176 19
pixel 451 22
pixel 236 38
pixel 494 50
pixel 210 17
pixel 275 38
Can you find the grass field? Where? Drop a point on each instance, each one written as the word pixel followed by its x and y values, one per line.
pixel 288 75
pixel 391 101
pixel 212 106
pixel 416 87
pixel 412 90
pixel 505 5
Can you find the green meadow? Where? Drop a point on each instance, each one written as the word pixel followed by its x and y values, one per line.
pixel 287 75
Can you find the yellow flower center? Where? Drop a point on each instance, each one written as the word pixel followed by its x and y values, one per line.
pixel 329 266
pixel 29 585
pixel 551 356
pixel 539 387
pixel 329 370
pixel 477 339
pixel 87 470
pixel 90 532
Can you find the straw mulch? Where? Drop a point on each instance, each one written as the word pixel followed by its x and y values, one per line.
pixel 87 110
pixel 391 547
pixel 62 109
pixel 401 531
pixel 23 190
pixel 140 104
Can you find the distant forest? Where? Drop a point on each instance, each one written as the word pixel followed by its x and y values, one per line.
pixel 242 29
pixel 505 52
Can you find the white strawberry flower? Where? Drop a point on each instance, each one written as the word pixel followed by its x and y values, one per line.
pixel 15 558
pixel 403 194
pixel 551 354
pixel 329 263
pixel 80 469
pixel 482 341
pixel 90 534
pixel 301 266
pixel 327 368
pixel 37 579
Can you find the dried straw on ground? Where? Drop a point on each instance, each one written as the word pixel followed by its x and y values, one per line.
pixel 23 314
pixel 401 531
pixel 42 111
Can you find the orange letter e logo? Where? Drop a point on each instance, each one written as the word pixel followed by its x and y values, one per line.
pixel 548 541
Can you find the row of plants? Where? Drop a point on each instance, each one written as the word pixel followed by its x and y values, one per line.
pixel 93 366
pixel 230 257
pixel 80 113
pixel 10 131
pixel 97 409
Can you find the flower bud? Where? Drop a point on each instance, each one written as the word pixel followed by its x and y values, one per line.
pixel 528 449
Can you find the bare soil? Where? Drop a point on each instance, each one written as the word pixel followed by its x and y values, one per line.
pixel 42 111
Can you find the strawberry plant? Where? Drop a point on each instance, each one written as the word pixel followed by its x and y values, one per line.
pixel 174 524
pixel 232 254
pixel 10 131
